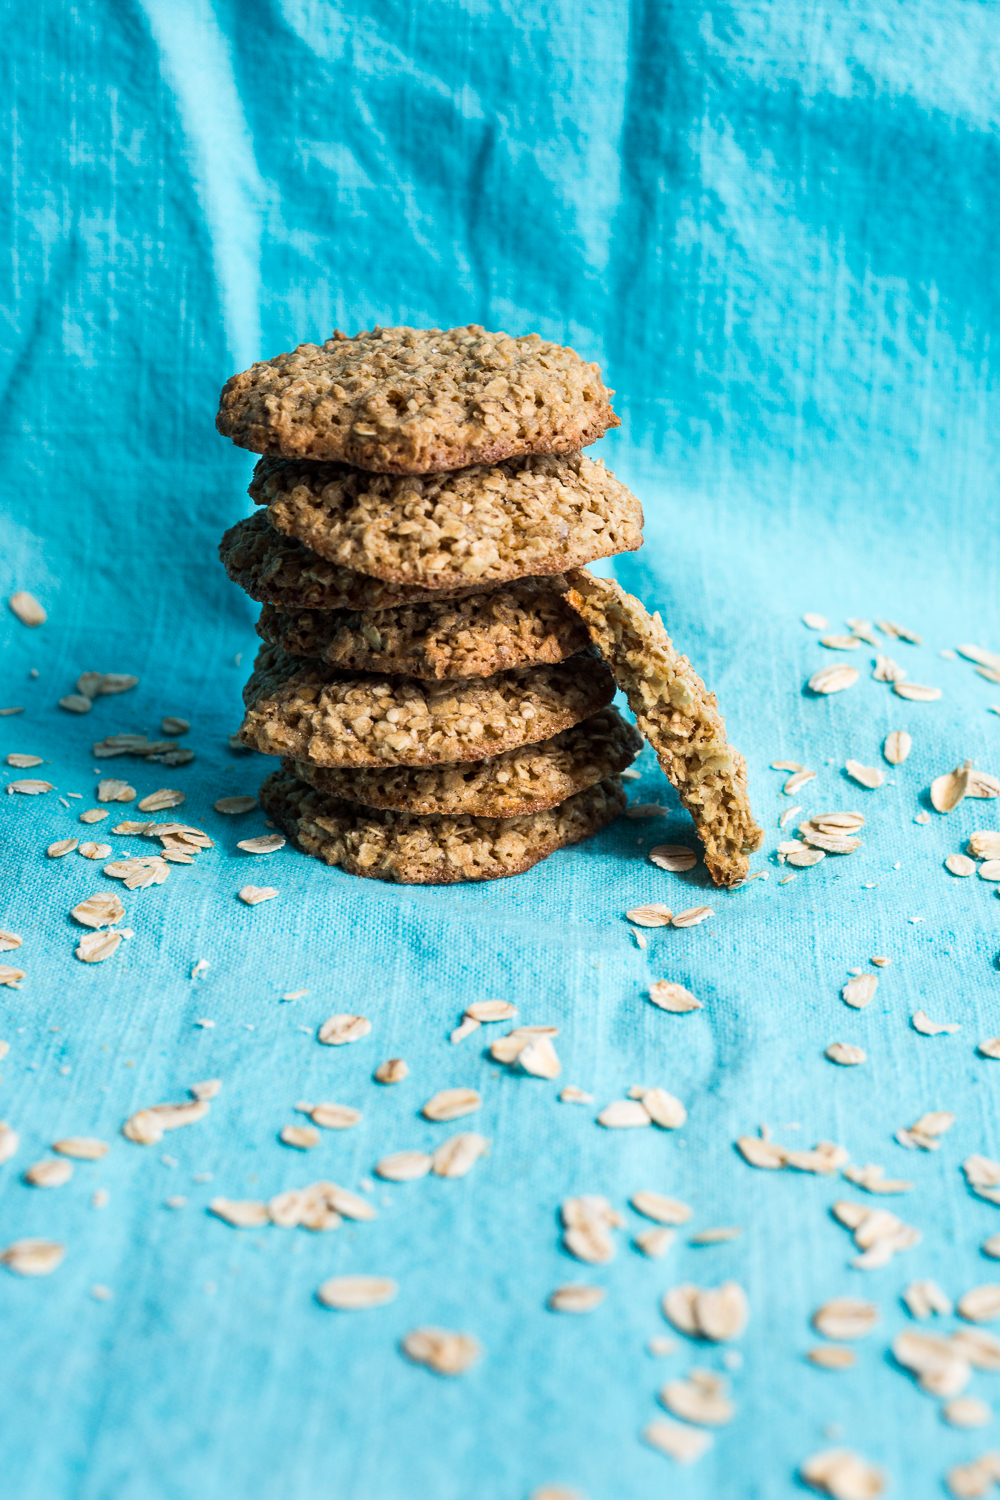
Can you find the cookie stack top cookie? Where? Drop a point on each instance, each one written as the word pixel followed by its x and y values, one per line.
pixel 416 400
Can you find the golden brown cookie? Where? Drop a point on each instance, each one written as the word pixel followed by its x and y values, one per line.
pixel 525 622
pixel 524 780
pixel 308 711
pixel 412 400
pixel 525 517
pixel 276 569
pixel 434 850
pixel 679 717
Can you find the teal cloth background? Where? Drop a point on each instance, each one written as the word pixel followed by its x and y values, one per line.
pixel 775 227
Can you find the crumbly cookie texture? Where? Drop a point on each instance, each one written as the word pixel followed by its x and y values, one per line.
pixel 435 850
pixel 276 569
pixel 528 516
pixel 412 400
pixel 679 717
pixel 528 779
pixel 279 570
pixel 308 711
pixel 525 622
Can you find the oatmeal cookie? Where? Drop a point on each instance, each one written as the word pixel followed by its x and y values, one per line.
pixel 435 850
pixel 529 516
pixel 679 717
pixel 413 400
pixel 525 622
pixel 308 711
pixel 276 569
pixel 528 779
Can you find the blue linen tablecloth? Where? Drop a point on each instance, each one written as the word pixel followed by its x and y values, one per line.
pixel 775 227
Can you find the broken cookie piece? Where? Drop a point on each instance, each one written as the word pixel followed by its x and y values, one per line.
pixel 678 716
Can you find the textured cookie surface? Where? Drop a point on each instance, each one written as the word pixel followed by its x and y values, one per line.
pixel 679 717
pixel 481 524
pixel 411 400
pixel 307 711
pixel 523 623
pixel 520 781
pixel 431 850
pixel 276 569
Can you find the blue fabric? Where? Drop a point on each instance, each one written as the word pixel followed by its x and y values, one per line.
pixel 774 226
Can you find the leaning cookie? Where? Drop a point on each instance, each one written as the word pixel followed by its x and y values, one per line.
pixel 411 400
pixel 276 569
pixel 528 516
pixel 525 780
pixel 519 625
pixel 434 850
pixel 680 719
pixel 308 711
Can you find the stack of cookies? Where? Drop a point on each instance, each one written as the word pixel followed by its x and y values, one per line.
pixel 437 704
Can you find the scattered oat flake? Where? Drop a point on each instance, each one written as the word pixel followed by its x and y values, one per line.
pixel 10 976
pixel 786 765
pixel 28 610
pixel 394 1070
pixel 81 1147
pixel 102 910
pixel 650 916
pixel 573 1095
pixel 921 1022
pixel 356 1293
pixel 683 1444
pixel 576 1298
pixel 61 847
pixel 860 991
pixel 488 1011
pixel 241 1213
pixel 661 1209
pixel 873 1179
pixel 97 946
pixel 338 1030
pixel 302 1137
pixel 692 916
pixel 990 1047
pixel 9 941
pixel 253 895
pixel 334 1116
pixel 24 762
pixel 159 800
pixel 788 815
pixel 673 997
pixel 843 1475
pixel 33 1257
pixel 404 1166
pixel 702 1398
pixel 267 844
pixel 990 870
pixel 457 1156
pixel 991 1247
pixel 833 680
pixel 840 642
pixel 869 776
pixel 719 1236
pixel 30 788
pixel 146 1126
pixel 95 851
pixel 916 692
pixel 967 1411
pixel 623 1114
pixel 846 1054
pixel 654 1243
pixel 210 1088
pixel 452 1104
pixel 233 806
pixel 815 622
pixel 442 1351
pixel 830 1357
pixel 295 995
pixel 115 791
pixel 673 857
pixel 49 1173
pixel 801 778
pixel 981 1304
pixel 924 1298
